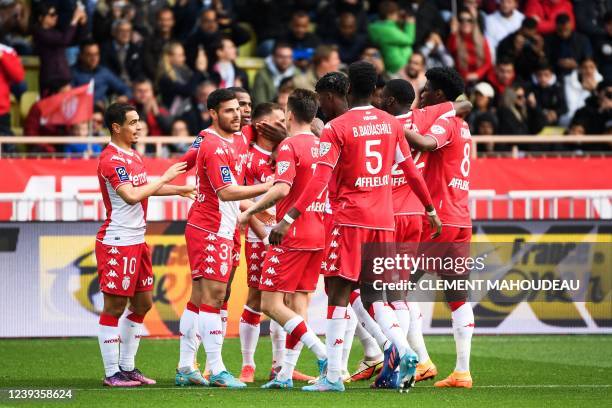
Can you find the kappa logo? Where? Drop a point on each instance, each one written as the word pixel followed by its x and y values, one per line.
pixel 112 274
pixel 113 262
pixel 338 342
pixel 324 265
pixel 210 248
pixel 211 237
pixel 282 167
pixel 285 148
pixel 262 162
pixel 333 268
pixel 111 285
pixel 333 244
pixel 274 259
pixel 254 256
pixel 255 245
pixel 209 271
pixel 113 251
pixel 210 259
pixel 270 271
pixel 333 256
pixel 219 150
pixel 336 231
pixel 223 268
pixel 324 147
pixel 437 130
pixel 253 267
pixel 277 249
pixel 253 278
pixel 268 282
pixel 125 284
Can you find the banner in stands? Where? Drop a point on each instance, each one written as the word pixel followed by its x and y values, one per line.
pixel 50 286
pixel 493 176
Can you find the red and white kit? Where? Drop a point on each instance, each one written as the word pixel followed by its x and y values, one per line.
pixel 295 264
pixel 124 260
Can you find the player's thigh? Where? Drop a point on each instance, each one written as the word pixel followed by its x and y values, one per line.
pixel 114 304
pixel 310 265
pixel 213 292
pixel 141 302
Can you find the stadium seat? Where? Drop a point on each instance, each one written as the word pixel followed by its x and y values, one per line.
pixel 251 65
pixel 28 99
pixel 248 49
pixel 32 69
pixel 15 113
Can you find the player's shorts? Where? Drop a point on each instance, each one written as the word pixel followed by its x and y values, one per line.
pixel 328 223
pixel 407 236
pixel 344 256
pixel 290 270
pixel 237 249
pixel 210 256
pixel 255 253
pixel 453 243
pixel 124 270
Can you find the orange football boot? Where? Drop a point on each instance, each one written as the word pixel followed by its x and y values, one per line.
pixel 456 380
pixel 426 371
pixel 247 374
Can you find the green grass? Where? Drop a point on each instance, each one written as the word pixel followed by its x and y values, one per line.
pixel 507 371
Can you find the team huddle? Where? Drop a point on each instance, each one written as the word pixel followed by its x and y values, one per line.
pixel 313 198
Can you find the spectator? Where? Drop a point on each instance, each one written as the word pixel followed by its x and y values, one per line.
pixel 590 16
pixel 106 14
pixel 484 125
pixel 414 72
pixel 106 83
pixel 224 70
pixel 549 94
pixel 196 114
pixel 121 55
pixel 519 114
pixel 603 48
pixel 428 19
pixel 157 117
pixel 153 46
pixel 14 26
pixel 377 97
pixel 525 47
pixel 176 81
pixel 179 128
pixel 350 42
pixel 473 6
pixel 579 85
pixel 394 33
pixel 435 52
pixel 483 100
pixel 545 12
pixel 566 47
pixel 469 47
pixel 210 32
pixel 300 38
pixel 51 44
pixel 506 20
pixel 329 15
pixel 186 13
pixel 284 90
pixel 97 122
pixel 325 59
pixel 502 76
pixel 11 72
pixel 597 110
pixel 277 67
pixel 85 150
pixel 371 53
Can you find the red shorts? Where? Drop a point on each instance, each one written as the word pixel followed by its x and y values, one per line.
pixel 210 256
pixel 237 249
pixel 290 270
pixel 124 270
pixel 344 256
pixel 453 242
pixel 408 230
pixel 255 253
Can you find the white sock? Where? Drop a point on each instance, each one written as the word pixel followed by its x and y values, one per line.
pixel 349 334
pixel 389 325
pixel 130 329
pixel 211 331
pixel 249 335
pixel 278 335
pixel 306 336
pixel 415 332
pixel 224 315
pixel 336 326
pixel 400 308
pixel 291 358
pixel 371 349
pixel 188 338
pixel 108 339
pixel 368 323
pixel 463 328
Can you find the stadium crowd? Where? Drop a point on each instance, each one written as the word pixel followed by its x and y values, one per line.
pixel 528 64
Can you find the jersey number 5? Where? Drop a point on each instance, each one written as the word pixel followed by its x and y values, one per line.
pixel 372 154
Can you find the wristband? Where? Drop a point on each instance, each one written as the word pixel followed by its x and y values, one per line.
pixel 431 213
pixel 266 240
pixel 288 219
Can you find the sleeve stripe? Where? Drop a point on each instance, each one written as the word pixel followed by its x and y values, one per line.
pixel 283 181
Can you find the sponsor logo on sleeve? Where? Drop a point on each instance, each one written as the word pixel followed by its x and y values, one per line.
pixel 226 174
pixel 324 147
pixel 282 166
pixel 437 130
pixel 196 142
pixel 122 173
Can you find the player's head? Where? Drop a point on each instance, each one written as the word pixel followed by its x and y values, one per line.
pixel 362 80
pixel 332 89
pixel 397 96
pixel 123 122
pixel 443 84
pixel 224 110
pixel 267 112
pixel 302 107
pixel 246 105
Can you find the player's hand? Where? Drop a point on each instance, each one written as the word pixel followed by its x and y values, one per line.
pixel 187 191
pixel 316 127
pixel 173 171
pixel 278 232
pixel 435 223
pixel 274 131
pixel 243 218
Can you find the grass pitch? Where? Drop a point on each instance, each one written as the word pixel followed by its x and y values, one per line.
pixel 508 371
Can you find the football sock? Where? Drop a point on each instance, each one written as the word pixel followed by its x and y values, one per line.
pixel 223 314
pixel 298 328
pixel 211 331
pixel 108 339
pixel 371 349
pixel 293 347
pixel 366 320
pixel 334 333
pixel 400 308
pixel 384 316
pixel 349 334
pixel 188 338
pixel 249 334
pixel 463 328
pixel 278 336
pixel 130 330
pixel 415 332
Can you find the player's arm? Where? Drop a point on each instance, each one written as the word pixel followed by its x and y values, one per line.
pixel 234 192
pixel 278 191
pixel 133 195
pixel 275 131
pixel 420 142
pixel 462 107
pixel 187 191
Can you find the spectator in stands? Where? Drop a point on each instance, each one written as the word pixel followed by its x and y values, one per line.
pixel 329 17
pixel 394 33
pixel 579 85
pixel 414 72
pixel 51 43
pixel 175 80
pixel 603 48
pixel 372 54
pixel 549 94
pixel 502 76
pixel 277 66
pixel 428 19
pixel 435 53
pixel 350 42
pixel 565 48
pixel 469 47
pixel 210 31
pixel 284 90
pixel 525 47
pixel 153 46
pixel 11 72
pixel 483 101
pixel 97 122
pixel 377 97
pixel 519 114
pixel 545 12
pixel 505 21
pixel 593 117
pixel 106 15
pixel 121 55
pixel 84 150
pixel 179 129
pixel 473 6
pixel 224 70
pixel 196 114
pixel 484 125
pixel 14 26
pixel 157 117
pixel 300 38
pixel 590 16
pixel 325 59
pixel 106 83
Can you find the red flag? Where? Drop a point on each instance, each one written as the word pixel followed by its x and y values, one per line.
pixel 68 108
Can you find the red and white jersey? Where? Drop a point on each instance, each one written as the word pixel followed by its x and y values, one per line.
pixel 448 171
pixel 244 136
pixel 218 161
pixel 295 165
pixel 405 202
pixel 362 145
pixel 258 171
pixel 125 224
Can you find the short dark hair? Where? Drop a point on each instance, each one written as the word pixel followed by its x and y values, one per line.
pixel 218 96
pixel 115 113
pixel 530 23
pixel 386 8
pixel 303 104
pixel 544 66
pixel 336 83
pixel 218 44
pixel 323 52
pixel 237 89
pixel 280 44
pixel 401 90
pixel 505 60
pixel 141 80
pixel 447 80
pixel 562 18
pixel 87 43
pixel 299 14
pixel 263 109
pixel 362 77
